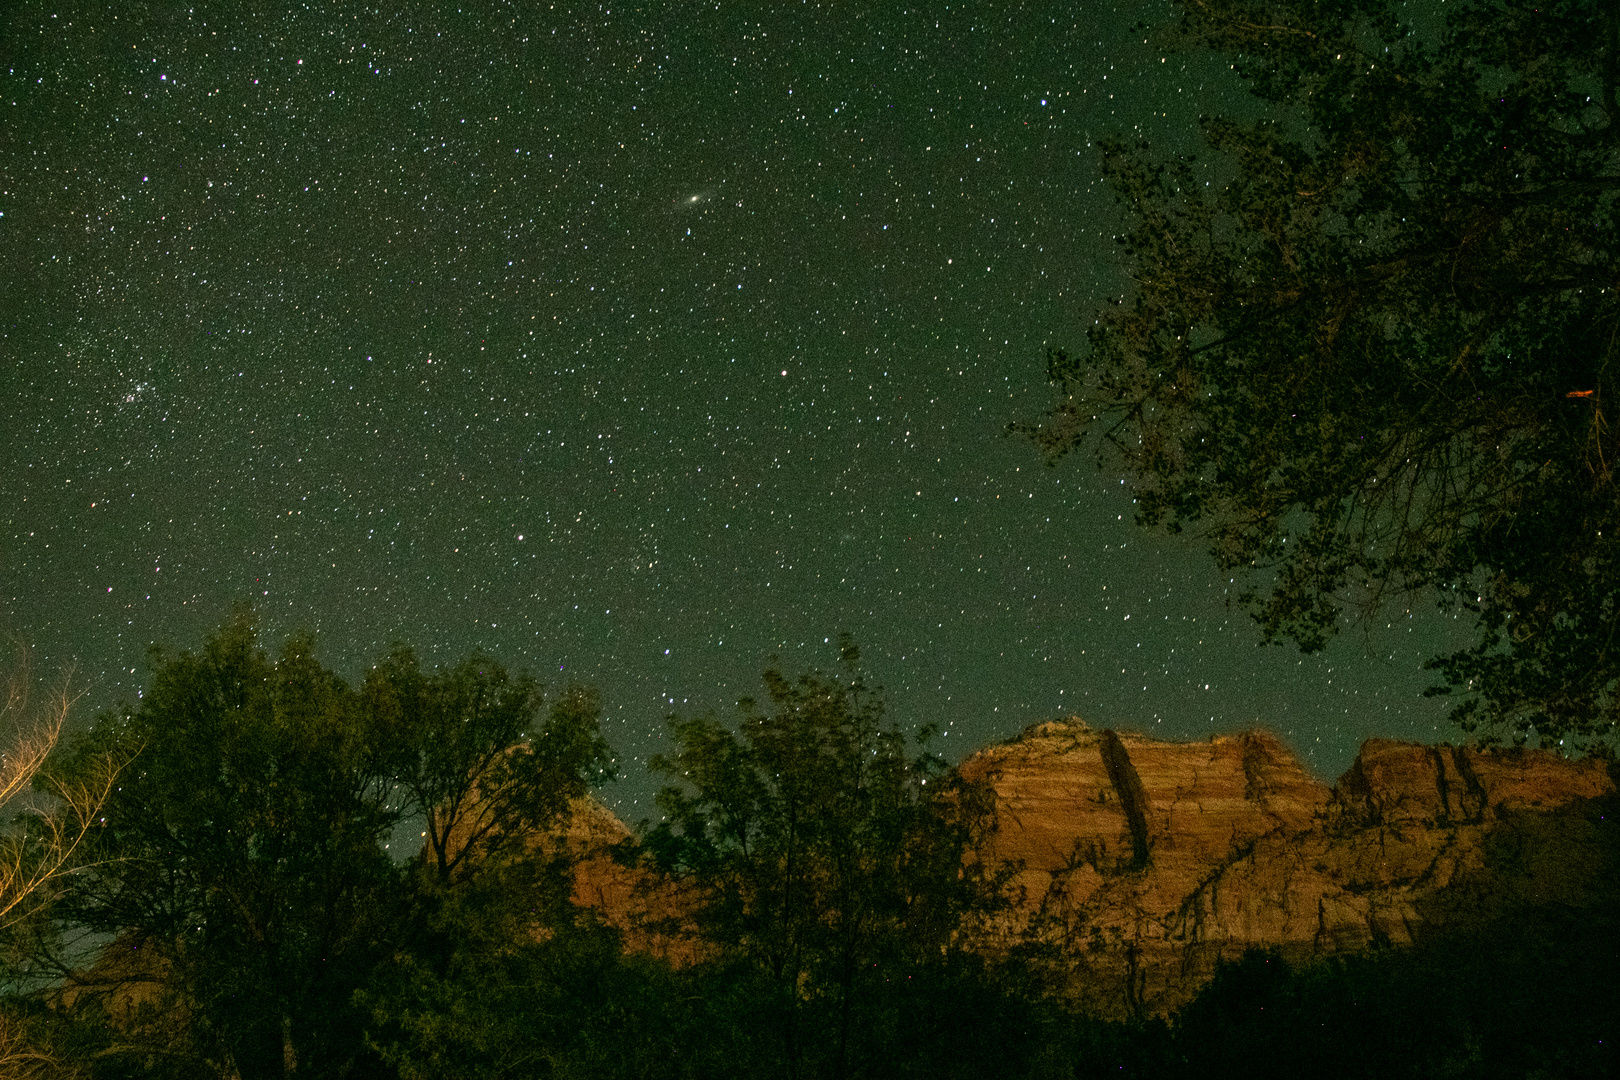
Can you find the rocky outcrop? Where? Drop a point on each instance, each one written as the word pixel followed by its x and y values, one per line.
pixel 1138 864
pixel 1141 863
pixel 648 911
pixel 1393 782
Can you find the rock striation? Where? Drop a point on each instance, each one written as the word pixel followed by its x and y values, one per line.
pixel 1140 863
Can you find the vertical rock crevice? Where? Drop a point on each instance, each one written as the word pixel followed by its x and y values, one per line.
pixel 1354 800
pixel 1442 789
pixel 1474 800
pixel 1256 788
pixel 1132 795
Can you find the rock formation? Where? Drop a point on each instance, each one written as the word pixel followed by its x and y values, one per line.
pixel 628 898
pixel 1140 863
pixel 1143 862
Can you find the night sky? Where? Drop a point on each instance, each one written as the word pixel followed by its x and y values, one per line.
pixel 629 346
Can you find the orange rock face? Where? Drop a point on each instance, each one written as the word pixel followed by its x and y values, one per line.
pixel 1393 782
pixel 1143 862
pixel 1140 863
pixel 630 900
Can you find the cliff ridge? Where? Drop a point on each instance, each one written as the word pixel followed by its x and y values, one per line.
pixel 1142 862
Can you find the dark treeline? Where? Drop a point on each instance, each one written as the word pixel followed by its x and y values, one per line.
pixel 295 876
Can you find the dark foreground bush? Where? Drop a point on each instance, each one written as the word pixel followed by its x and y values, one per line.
pixel 1535 996
pixel 1532 994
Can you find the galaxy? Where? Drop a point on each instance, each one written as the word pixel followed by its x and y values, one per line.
pixel 629 346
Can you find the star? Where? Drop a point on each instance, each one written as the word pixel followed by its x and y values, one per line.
pixel 417 363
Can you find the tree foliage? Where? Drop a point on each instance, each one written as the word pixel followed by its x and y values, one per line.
pixel 471 753
pixel 820 853
pixel 494 962
pixel 244 854
pixel 1369 353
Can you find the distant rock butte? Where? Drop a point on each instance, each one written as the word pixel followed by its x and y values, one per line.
pixel 1143 862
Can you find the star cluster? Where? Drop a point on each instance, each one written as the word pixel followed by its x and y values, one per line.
pixel 632 346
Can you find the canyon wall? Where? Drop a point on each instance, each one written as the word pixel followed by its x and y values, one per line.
pixel 1142 862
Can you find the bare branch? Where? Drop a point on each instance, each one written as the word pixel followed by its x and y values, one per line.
pixel 22 1059
pixel 45 840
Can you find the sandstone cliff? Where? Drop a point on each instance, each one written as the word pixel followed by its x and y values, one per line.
pixel 1140 863
pixel 629 899
pixel 1143 862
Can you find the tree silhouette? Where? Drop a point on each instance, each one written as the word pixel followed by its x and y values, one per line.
pixel 1369 352
pixel 821 853
pixel 244 853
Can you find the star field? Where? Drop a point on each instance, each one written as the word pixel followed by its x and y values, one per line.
pixel 630 346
